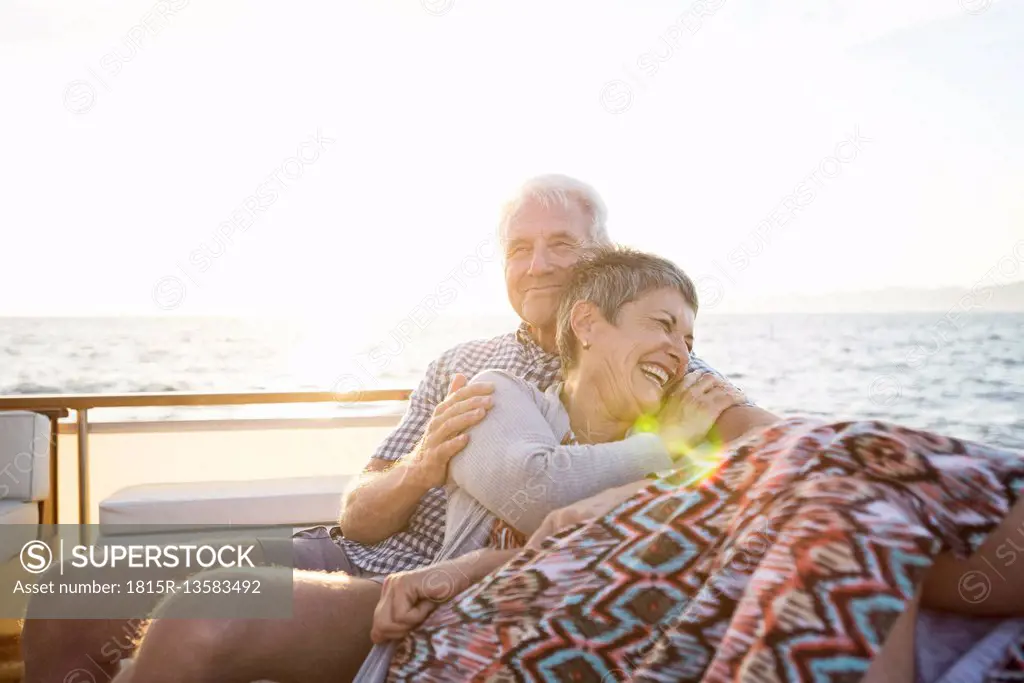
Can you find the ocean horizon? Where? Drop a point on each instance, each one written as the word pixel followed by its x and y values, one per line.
pixel 962 377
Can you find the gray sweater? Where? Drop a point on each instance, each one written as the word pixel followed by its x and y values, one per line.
pixel 519 464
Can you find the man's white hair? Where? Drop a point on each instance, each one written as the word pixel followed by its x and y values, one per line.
pixel 559 190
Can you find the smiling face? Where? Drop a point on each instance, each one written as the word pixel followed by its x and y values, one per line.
pixel 542 244
pixel 631 361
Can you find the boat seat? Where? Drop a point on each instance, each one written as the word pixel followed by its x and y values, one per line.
pixel 24 477
pixel 295 501
pixel 16 512
pixel 24 458
pixel 26 516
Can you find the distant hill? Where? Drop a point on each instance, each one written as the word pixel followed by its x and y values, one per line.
pixel 987 299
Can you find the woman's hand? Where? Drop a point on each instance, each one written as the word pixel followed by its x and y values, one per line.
pixel 586 509
pixel 693 408
pixel 408 598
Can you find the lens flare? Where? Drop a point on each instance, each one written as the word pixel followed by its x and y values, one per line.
pixel 695 464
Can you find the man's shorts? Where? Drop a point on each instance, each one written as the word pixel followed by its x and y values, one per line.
pixel 317 549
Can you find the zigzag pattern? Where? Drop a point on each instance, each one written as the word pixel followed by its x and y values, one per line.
pixel 790 563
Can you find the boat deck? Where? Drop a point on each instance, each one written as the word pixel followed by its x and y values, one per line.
pixel 92 458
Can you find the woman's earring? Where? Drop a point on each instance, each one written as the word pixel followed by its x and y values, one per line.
pixel 586 345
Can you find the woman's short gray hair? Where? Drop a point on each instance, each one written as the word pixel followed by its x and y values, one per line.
pixel 562 191
pixel 611 277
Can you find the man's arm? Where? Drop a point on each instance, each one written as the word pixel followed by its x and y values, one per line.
pixel 382 501
pixel 414 458
pixel 739 420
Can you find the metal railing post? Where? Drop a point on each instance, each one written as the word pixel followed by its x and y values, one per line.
pixel 52 515
pixel 83 466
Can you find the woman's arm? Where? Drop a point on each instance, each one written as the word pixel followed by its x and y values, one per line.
pixel 516 466
pixel 585 510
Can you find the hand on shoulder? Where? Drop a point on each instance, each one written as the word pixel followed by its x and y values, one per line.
pixel 465 406
pixel 693 408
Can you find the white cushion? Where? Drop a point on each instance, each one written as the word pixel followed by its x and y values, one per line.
pixel 26 516
pixel 24 456
pixel 298 501
pixel 16 512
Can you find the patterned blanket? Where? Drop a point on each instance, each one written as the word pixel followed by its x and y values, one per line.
pixel 790 561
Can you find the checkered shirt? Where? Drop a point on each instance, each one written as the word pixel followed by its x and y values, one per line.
pixel 515 352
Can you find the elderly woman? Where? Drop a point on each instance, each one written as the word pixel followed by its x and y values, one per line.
pixel 623 412
pixel 625 333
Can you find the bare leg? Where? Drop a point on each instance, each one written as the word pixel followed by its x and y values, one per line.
pixel 894 663
pixel 987 583
pixel 326 639
pixel 56 650
pixel 66 650
pixel 970 587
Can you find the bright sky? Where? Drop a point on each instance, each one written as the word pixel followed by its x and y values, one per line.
pixel 134 130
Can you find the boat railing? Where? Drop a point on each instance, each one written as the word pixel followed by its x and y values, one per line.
pixel 59 406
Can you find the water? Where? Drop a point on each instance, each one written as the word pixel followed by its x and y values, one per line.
pixel 961 376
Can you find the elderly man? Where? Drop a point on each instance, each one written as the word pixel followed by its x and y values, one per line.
pixel 393 520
